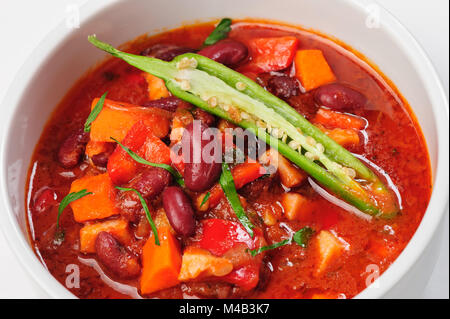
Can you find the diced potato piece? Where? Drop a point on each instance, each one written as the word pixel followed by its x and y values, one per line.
pixel 161 221
pixel 269 218
pixel 117 227
pixel 181 118
pixel 290 175
pixel 293 204
pixel 329 249
pixel 269 211
pixel 198 262
pixel 100 204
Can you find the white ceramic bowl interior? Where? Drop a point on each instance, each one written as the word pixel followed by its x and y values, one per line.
pixel 65 55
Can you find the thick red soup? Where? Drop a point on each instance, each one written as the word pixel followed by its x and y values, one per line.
pixel 137 219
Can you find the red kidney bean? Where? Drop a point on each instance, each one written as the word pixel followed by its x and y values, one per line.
pixel 166 52
pixel 339 97
pixel 202 169
pixel 71 150
pixel 282 86
pixel 101 159
pixel 179 210
pixel 228 52
pixel 45 199
pixel 151 182
pixel 166 103
pixel 115 257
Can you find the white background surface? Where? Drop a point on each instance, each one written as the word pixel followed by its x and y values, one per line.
pixel 24 23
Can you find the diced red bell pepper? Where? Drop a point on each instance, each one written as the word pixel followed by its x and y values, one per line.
pixel 271 54
pixel 243 174
pixel 219 236
pixel 247 277
pixel 139 139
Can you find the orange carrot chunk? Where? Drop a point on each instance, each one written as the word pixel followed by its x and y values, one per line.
pixel 161 264
pixel 242 174
pixel 329 248
pixel 98 205
pixel 94 148
pixel 156 87
pixel 117 227
pixel 312 69
pixel 333 119
pixel 117 118
pixel 344 137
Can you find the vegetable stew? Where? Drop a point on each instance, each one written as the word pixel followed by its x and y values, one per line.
pixel 239 159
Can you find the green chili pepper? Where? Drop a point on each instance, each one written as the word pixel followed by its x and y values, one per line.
pixel 270 119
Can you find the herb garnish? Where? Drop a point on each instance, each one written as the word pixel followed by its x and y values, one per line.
pixel 220 32
pixel 301 238
pixel 147 212
pixel 205 199
pixel 94 113
pixel 227 183
pixel 255 252
pixel 71 197
pixel 137 158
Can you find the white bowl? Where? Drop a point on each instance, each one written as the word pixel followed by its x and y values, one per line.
pixel 65 55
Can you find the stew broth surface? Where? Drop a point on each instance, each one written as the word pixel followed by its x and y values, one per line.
pixel 392 142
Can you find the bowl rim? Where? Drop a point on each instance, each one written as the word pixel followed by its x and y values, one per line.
pixel 404 262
